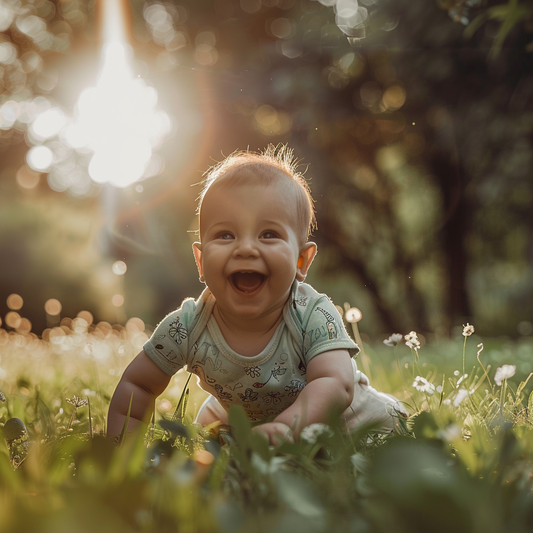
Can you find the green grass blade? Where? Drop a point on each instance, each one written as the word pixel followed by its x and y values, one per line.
pixel 181 408
pixel 126 422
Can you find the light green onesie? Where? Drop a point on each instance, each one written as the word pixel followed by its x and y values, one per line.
pixel 267 383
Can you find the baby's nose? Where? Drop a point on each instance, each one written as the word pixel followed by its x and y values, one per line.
pixel 246 247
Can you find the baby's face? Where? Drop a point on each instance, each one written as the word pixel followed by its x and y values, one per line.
pixel 250 248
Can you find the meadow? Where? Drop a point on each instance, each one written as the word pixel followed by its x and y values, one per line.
pixel 462 462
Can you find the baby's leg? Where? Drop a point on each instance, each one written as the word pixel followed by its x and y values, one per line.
pixel 211 411
pixel 371 408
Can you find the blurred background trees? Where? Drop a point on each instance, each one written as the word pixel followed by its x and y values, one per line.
pixel 417 138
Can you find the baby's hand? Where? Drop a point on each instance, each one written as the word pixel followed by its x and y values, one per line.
pixel 275 432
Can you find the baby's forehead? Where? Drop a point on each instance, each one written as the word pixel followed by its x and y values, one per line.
pixel 262 176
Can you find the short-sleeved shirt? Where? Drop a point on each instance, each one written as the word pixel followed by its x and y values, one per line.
pixel 264 384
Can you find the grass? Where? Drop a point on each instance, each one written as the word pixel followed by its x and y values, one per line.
pixel 463 462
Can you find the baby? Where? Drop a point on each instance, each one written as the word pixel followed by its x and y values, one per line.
pixel 257 336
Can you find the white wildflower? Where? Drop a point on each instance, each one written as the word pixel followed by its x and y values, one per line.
pixel 423 385
pixel 456 372
pixel 311 433
pixel 447 401
pixel 412 340
pixel 393 340
pixel 504 372
pixel 468 330
pixel 462 393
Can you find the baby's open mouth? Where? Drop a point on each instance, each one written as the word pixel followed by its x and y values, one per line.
pixel 247 281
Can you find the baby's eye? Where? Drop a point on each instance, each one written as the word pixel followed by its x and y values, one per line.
pixel 269 235
pixel 225 235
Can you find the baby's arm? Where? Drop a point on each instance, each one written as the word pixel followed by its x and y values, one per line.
pixel 146 381
pixel 330 386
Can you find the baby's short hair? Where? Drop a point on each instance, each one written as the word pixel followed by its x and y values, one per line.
pixel 280 158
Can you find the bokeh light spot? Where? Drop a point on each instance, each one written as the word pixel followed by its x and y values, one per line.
pixel 117 300
pixel 164 405
pixel 6 16
pixel 9 113
pixel 370 93
pixel 24 326
pixel 40 158
pixel 525 328
pixel 13 319
pixel 250 6
pixel 266 115
pixel 364 178
pixel 53 307
pixel 48 123
pixel 87 316
pixel 206 55
pixel 281 28
pixel 135 325
pixel 119 268
pixel 27 178
pixel 269 121
pixel 15 302
pixel 394 97
pixel 31 25
pixel 205 37
pixel 8 53
pixel 80 325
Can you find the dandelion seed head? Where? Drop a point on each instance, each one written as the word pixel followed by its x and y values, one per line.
pixel 504 372
pixel 456 372
pixel 468 330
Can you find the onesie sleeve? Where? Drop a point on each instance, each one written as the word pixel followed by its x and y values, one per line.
pixel 169 344
pixel 322 325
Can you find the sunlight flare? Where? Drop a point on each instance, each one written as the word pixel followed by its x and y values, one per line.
pixel 118 119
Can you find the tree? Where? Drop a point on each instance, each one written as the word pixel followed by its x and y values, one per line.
pixel 416 143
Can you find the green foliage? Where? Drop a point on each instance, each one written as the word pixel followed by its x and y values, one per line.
pixel 461 462
pixel 508 14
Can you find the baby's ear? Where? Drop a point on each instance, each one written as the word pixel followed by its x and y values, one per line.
pixel 197 251
pixel 307 254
